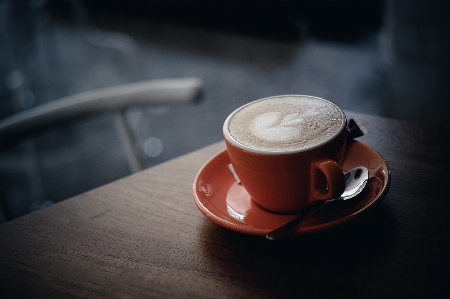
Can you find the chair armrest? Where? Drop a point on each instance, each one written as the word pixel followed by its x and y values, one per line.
pixel 116 98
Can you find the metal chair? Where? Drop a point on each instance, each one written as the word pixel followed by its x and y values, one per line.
pixel 70 109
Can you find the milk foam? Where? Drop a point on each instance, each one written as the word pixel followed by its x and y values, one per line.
pixel 285 123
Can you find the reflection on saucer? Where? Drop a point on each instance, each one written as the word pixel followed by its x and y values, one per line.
pixel 238 202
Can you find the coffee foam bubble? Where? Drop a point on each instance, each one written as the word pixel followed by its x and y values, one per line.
pixel 285 123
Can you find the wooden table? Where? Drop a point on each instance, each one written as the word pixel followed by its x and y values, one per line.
pixel 143 237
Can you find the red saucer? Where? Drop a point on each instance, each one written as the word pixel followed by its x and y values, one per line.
pixel 226 203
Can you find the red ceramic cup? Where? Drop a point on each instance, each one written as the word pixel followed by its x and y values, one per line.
pixel 288 181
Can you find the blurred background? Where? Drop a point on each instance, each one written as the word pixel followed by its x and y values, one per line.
pixel 386 58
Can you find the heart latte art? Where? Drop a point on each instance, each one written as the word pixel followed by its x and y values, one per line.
pixel 271 126
pixel 286 123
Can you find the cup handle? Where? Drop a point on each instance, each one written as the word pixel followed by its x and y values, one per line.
pixel 327 180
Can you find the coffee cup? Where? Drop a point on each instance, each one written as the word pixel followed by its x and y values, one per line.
pixel 288 150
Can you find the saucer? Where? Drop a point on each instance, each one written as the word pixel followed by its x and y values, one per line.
pixel 227 203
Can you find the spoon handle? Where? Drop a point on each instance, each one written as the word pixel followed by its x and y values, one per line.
pixel 287 229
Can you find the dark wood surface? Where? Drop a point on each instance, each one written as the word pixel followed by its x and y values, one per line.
pixel 143 237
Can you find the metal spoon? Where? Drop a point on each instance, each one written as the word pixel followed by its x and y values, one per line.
pixel 355 181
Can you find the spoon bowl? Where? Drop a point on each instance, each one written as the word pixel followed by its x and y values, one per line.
pixel 355 181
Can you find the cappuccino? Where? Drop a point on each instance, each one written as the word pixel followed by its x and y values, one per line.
pixel 284 124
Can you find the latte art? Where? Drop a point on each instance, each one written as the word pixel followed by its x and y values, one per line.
pixel 286 123
pixel 271 126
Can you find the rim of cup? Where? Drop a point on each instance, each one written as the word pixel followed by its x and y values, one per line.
pixel 234 142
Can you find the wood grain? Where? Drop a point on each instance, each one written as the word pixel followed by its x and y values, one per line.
pixel 143 237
